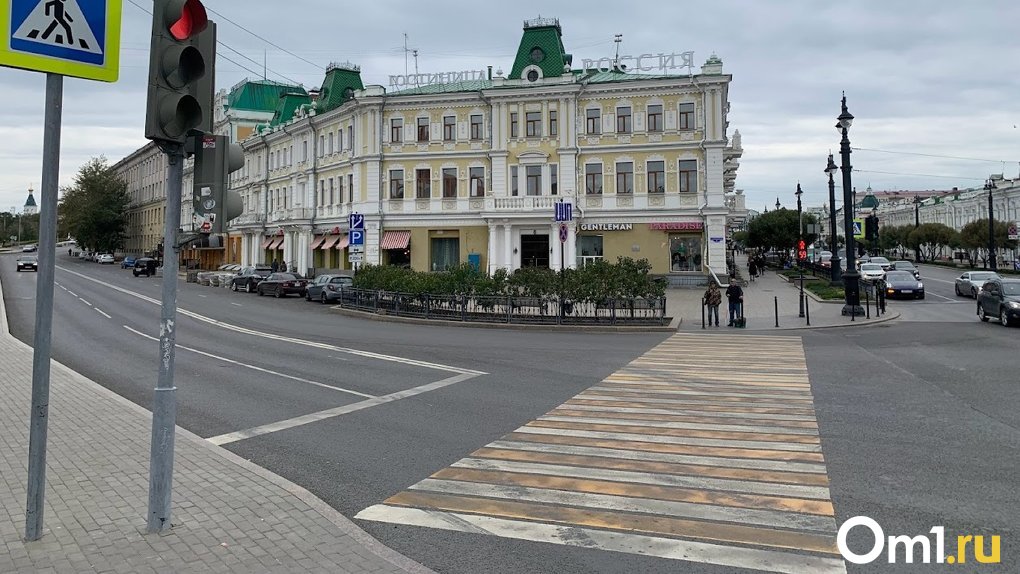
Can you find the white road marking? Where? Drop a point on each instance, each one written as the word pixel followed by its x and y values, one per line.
pixel 203 296
pixel 85 302
pixel 100 311
pixel 254 368
pixel 671 548
pixel 236 304
pixel 943 297
pixel 73 294
pixel 335 412
pixel 785 446
pixel 718 414
pixel 671 425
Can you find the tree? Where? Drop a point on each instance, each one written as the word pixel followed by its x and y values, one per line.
pixel 974 239
pixel 932 238
pixel 778 231
pixel 94 209
pixel 895 236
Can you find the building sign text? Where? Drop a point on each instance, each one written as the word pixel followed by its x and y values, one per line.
pixel 644 62
pixel 437 78
pixel 678 226
pixel 607 226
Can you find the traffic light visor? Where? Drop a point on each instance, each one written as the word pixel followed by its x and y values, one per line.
pixel 185 18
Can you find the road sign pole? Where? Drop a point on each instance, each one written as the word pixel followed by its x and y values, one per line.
pixel 164 404
pixel 42 340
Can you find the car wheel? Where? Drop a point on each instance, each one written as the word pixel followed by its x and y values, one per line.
pixel 1004 318
pixel 323 298
pixel 278 293
pixel 308 296
pixel 981 313
pixel 233 287
pixel 247 287
pixel 957 289
pixel 973 292
pixel 260 292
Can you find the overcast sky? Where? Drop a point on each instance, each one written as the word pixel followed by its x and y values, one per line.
pixel 933 77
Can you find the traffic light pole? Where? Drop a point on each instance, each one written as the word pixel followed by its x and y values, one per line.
pixel 164 404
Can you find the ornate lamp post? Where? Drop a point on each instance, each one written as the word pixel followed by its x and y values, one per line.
pixel 851 286
pixel 777 204
pixel 917 223
pixel 800 239
pixel 836 274
pixel 994 265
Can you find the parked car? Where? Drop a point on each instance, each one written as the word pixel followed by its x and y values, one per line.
pixel 907 266
pixel 903 284
pixel 249 278
pixel 1000 298
pixel 969 284
pixel 327 288
pixel 872 272
pixel 105 258
pixel 28 262
pixel 30 248
pixel 282 284
pixel 128 262
pixel 145 266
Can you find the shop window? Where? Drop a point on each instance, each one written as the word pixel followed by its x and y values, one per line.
pixel 397 130
pixel 445 253
pixel 534 124
pixel 593 179
pixel 477 181
pixel 476 126
pixel 513 124
pixel 623 118
pixel 554 128
pixel 423 183
pixel 423 129
pixel 396 184
pixel 534 175
pixel 686 119
pixel 688 176
pixel 655 118
pixel 625 178
pixel 449 182
pixel 589 249
pixel 554 178
pixel 593 122
pixel 513 181
pixel 684 253
pixel 449 128
pixel 656 177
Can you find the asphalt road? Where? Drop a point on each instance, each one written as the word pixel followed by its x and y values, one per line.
pixel 918 418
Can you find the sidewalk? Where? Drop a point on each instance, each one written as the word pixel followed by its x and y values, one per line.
pixel 760 299
pixel 229 515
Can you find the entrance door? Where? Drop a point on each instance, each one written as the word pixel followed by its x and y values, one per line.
pixel 535 251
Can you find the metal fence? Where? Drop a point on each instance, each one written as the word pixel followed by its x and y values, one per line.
pixel 508 309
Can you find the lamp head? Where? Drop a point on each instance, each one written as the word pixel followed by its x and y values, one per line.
pixel 831 167
pixel 777 203
pixel 846 119
pixel 799 192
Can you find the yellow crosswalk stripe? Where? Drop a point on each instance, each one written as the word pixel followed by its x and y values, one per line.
pixel 694 451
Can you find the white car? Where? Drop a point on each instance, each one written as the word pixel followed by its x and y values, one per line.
pixel 886 265
pixel 105 258
pixel 872 272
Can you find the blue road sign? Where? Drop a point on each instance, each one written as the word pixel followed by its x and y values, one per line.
pixel 858 233
pixel 72 31
pixel 357 221
pixel 357 237
pixel 564 211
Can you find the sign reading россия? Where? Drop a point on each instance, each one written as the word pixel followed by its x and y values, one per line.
pixel 644 62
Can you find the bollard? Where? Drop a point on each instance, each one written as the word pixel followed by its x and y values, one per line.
pixel 867 302
pixel 777 311
pixel 807 311
pixel 702 313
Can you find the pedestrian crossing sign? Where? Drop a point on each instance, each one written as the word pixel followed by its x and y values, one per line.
pixel 79 38
pixel 858 228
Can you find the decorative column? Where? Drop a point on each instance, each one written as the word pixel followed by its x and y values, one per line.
pixel 555 263
pixel 490 253
pixel 508 256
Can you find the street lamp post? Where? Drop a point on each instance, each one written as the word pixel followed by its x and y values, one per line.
pixel 994 265
pixel 777 204
pixel 835 277
pixel 917 223
pixel 851 287
pixel 800 237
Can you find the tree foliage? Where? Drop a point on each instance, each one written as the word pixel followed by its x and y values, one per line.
pixel 974 238
pixel 94 209
pixel 778 230
pixel 932 238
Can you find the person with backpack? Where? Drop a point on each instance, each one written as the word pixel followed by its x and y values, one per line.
pixel 713 298
pixel 735 296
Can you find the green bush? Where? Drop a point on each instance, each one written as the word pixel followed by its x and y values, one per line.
pixel 825 291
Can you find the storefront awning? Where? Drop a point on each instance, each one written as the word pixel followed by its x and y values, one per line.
pixel 344 242
pixel 318 241
pixel 277 243
pixel 395 240
pixel 267 242
pixel 329 242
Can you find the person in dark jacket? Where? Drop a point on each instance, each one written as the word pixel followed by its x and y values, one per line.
pixel 735 296
pixel 713 298
pixel 275 266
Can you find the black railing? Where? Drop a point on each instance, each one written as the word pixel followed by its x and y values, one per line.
pixel 548 310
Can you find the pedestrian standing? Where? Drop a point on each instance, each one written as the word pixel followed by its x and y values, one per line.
pixel 275 266
pixel 735 296
pixel 752 269
pixel 713 298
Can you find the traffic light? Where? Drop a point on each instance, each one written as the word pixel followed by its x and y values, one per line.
pixel 801 250
pixel 871 228
pixel 214 204
pixel 182 60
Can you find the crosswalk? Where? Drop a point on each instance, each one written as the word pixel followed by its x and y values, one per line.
pixel 704 449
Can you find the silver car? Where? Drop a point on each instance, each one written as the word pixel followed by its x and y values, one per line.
pixel 969 284
pixel 872 272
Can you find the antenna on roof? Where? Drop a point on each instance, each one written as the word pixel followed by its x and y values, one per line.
pixel 617 38
pixel 415 52
pixel 406 51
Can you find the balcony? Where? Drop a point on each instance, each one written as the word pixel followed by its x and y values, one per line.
pixel 525 203
pixel 250 218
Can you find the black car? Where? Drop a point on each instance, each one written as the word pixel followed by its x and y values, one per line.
pixel 907 266
pixel 145 266
pixel 249 278
pixel 903 284
pixel 282 284
pixel 327 288
pixel 1000 298
pixel 28 262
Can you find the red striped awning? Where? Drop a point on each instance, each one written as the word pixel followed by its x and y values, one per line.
pixel 276 244
pixel 395 240
pixel 267 241
pixel 345 240
pixel 318 241
pixel 329 242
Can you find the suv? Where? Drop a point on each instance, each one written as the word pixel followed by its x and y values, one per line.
pixel 999 298
pixel 144 266
pixel 28 262
pixel 249 278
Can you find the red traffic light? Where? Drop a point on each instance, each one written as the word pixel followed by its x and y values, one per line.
pixel 801 246
pixel 186 18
